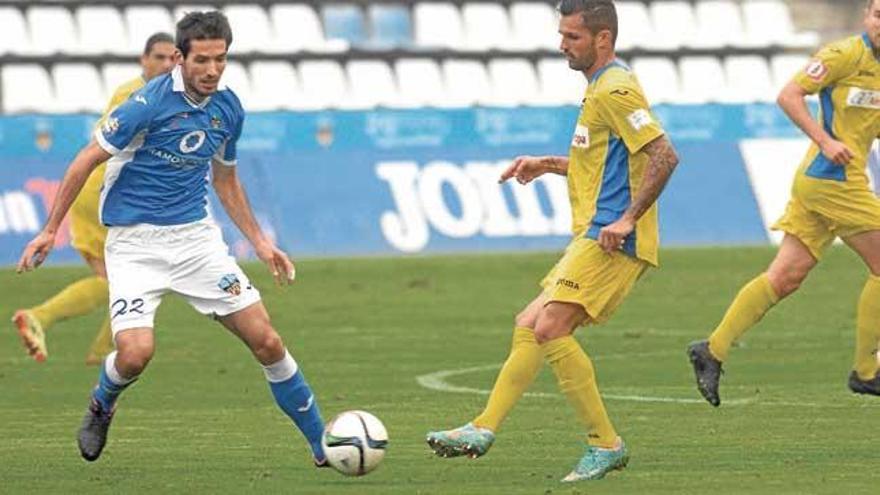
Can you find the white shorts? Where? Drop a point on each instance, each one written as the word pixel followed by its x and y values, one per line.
pixel 144 262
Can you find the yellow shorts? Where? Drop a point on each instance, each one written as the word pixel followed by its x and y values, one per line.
pixel 592 278
pixel 819 211
pixel 86 232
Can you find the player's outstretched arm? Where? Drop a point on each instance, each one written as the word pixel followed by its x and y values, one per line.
pixel 528 168
pixel 792 100
pixel 662 160
pixel 78 172
pixel 235 202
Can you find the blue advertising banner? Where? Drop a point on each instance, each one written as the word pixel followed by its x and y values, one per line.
pixel 412 181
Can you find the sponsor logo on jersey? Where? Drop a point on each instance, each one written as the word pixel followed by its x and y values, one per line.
pixel 640 118
pixel 111 125
pixel 140 99
pixel 192 141
pixel 581 137
pixel 816 70
pixel 229 283
pixel 863 98
pixel 568 284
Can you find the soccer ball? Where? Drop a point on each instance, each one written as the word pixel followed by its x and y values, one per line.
pixel 355 442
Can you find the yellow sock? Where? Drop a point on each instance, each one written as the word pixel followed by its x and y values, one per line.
pixel 78 298
pixel 102 344
pixel 868 329
pixel 750 305
pixel 516 375
pixel 577 380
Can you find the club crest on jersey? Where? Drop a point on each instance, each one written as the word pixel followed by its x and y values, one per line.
pixel 216 122
pixel 192 141
pixel 111 125
pixel 229 283
pixel 581 137
pixel 816 70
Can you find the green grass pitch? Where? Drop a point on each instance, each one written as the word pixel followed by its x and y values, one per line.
pixel 202 420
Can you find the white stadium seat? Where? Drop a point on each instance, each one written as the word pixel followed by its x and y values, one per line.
pixel 26 88
pixel 438 25
pixel 52 30
pixel 114 75
pixel 748 79
pixel 659 78
pixel 634 24
pixel 14 36
pixel 250 23
pixel 534 26
pixel 513 83
pixel 486 26
pixel 559 84
pixel 702 80
pixel 467 83
pixel 78 88
pixel 236 78
pixel 298 28
pixel 420 83
pixel 144 21
pixel 784 67
pixel 674 25
pixel 769 22
pixel 323 85
pixel 719 24
pixel 274 86
pixel 371 84
pixel 101 30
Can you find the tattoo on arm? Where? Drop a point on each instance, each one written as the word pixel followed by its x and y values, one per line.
pixel 662 161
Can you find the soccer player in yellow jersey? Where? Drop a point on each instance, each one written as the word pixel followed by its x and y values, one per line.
pixel 88 235
pixel 830 198
pixel 618 163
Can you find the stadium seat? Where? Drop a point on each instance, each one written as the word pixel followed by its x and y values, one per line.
pixel 659 78
pixel 274 86
pixel 634 24
pixel 52 31
pixel 674 25
pixel 14 36
pixel 719 24
pixel 438 25
pixel 101 30
pixel 114 75
pixel 420 83
pixel 534 26
pixel 26 88
pixel 486 26
pixel 142 21
pixel 748 79
pixel 513 83
pixel 236 78
pixel 78 88
pixel 467 83
pixel 371 84
pixel 702 80
pixel 323 85
pixel 559 84
pixel 391 26
pixel 784 67
pixel 251 27
pixel 297 28
pixel 344 22
pixel 768 22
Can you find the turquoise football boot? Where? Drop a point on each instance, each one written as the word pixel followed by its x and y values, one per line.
pixel 597 462
pixel 468 440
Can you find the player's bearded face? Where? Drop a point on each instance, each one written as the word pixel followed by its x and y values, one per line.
pixel 203 66
pixel 872 24
pixel 577 43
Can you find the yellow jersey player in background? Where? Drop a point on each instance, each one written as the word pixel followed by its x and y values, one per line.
pixel 88 235
pixel 830 198
pixel 618 163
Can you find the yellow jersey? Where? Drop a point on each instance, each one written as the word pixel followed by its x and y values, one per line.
pixel 846 74
pixel 606 162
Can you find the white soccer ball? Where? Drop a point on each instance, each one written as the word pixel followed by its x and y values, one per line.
pixel 355 442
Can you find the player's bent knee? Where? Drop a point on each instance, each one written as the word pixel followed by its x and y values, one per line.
pixel 269 348
pixel 132 360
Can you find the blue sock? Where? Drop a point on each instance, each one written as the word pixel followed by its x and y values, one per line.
pixel 110 383
pixel 296 399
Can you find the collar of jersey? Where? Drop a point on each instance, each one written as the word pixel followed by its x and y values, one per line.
pixel 613 63
pixel 869 45
pixel 179 87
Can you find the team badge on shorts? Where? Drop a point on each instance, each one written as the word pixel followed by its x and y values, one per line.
pixel 230 284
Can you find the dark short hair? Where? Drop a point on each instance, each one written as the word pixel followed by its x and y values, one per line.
pixel 202 26
pixel 596 14
pixel 157 38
